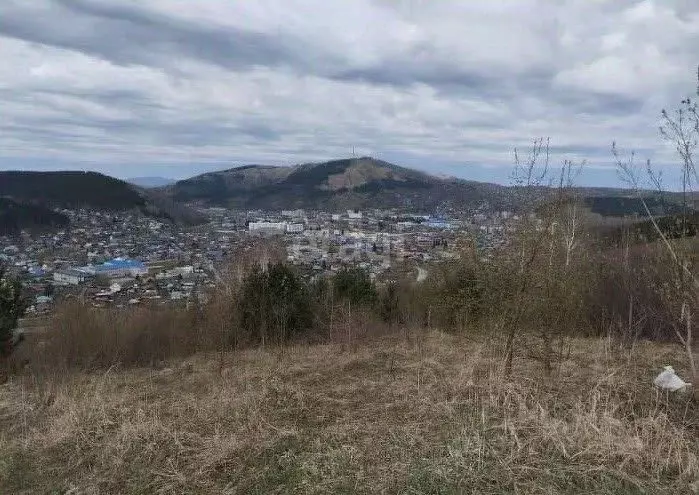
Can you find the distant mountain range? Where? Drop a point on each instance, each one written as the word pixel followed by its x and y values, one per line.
pixel 334 185
pixel 150 182
pixel 71 189
pixel 369 183
pixel 360 183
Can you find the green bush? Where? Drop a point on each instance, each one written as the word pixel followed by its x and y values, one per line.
pixel 12 307
pixel 458 298
pixel 389 304
pixel 274 305
pixel 355 286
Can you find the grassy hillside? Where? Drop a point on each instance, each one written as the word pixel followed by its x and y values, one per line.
pixel 489 376
pixel 420 413
pixel 229 185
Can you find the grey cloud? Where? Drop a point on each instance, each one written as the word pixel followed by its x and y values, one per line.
pixel 594 103
pixel 129 35
pixel 180 87
pixel 397 73
pixel 133 36
pixel 196 133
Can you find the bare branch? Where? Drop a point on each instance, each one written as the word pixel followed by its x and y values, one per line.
pixel 626 170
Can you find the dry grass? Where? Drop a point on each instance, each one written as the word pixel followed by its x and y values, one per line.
pixel 411 414
pixel 82 337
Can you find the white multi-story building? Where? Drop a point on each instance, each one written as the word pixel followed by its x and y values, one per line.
pixel 70 276
pixel 293 213
pixel 267 227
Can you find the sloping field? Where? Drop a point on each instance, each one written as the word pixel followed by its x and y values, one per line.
pixel 419 413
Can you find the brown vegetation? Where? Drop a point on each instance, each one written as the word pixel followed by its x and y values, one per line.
pixel 419 413
pixel 529 371
pixel 370 397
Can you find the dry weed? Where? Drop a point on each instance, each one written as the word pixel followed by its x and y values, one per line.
pixel 429 413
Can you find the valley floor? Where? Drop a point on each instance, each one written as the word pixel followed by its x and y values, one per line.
pixel 411 414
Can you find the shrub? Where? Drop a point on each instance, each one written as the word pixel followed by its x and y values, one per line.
pixel 274 305
pixel 83 337
pixel 461 297
pixel 355 286
pixel 12 307
pixel 389 304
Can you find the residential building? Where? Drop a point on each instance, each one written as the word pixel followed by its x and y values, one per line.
pixel 294 228
pixel 71 276
pixel 118 267
pixel 267 227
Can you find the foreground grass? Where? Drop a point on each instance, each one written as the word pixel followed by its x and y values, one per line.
pixel 422 414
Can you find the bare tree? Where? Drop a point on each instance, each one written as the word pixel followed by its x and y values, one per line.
pixel 529 175
pixel 570 222
pixel 681 128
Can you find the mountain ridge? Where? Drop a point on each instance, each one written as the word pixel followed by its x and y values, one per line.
pixel 369 183
pixel 336 184
pixel 70 189
pixel 79 189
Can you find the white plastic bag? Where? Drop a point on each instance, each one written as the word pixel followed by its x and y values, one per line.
pixel 668 380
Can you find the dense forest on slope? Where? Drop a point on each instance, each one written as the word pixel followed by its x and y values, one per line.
pixel 75 189
pixel 15 216
pixel 71 189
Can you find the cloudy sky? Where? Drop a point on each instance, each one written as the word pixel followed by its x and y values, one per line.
pixel 175 87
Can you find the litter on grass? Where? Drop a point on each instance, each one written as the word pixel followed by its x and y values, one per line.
pixel 668 380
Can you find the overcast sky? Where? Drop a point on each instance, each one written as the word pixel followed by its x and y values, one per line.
pixel 174 87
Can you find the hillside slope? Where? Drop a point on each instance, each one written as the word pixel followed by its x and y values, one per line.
pixel 71 189
pixel 16 216
pixel 75 189
pixel 369 183
pixel 234 186
pixel 339 184
pixel 428 413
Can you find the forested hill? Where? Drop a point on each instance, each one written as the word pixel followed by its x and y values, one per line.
pixel 71 190
pixel 15 217
pixel 337 184
pixel 76 189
